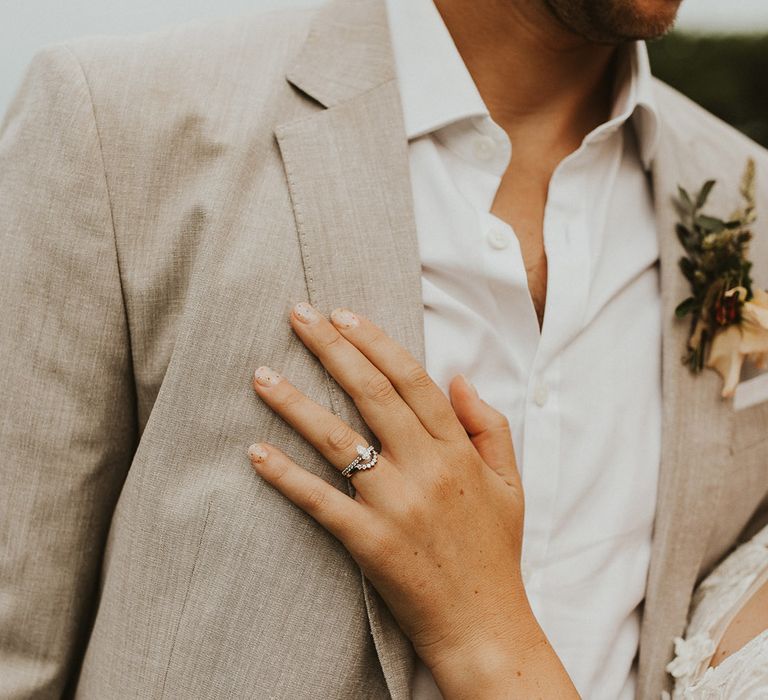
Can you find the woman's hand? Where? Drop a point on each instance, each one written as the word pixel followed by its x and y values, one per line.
pixel 436 525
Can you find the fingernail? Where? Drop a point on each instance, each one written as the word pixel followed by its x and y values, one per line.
pixel 257 453
pixel 305 313
pixel 344 318
pixel 266 376
pixel 470 385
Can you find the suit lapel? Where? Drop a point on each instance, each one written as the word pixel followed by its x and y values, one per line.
pixel 695 434
pixel 348 174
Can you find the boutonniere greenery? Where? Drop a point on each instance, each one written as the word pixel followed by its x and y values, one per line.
pixel 729 316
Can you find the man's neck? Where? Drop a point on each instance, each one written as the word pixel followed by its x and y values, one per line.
pixel 538 80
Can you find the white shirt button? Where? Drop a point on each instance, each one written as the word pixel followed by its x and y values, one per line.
pixel 497 239
pixel 540 394
pixel 484 147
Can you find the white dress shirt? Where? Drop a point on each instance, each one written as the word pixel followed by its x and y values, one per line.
pixel 583 396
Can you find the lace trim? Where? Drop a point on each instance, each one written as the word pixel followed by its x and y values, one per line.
pixel 715 603
pixel 741 676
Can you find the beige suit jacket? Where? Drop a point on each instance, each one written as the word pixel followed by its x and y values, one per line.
pixel 164 200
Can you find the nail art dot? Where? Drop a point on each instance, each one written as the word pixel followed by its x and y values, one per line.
pixel 305 313
pixel 266 376
pixel 257 453
pixel 344 318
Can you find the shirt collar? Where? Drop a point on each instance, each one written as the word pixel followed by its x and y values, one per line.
pixel 436 88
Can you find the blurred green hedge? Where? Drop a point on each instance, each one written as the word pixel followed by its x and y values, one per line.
pixel 728 75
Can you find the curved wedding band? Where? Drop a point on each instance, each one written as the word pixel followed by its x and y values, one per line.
pixel 366 458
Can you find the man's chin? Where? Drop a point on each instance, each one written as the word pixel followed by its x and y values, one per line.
pixel 616 21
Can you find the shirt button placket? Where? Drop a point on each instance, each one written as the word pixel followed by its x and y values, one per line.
pixel 541 462
pixel 497 238
pixel 484 148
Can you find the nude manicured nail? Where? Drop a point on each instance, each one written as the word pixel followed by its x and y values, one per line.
pixel 257 453
pixel 305 313
pixel 344 318
pixel 266 376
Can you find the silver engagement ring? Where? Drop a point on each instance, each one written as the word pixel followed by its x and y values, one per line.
pixel 366 458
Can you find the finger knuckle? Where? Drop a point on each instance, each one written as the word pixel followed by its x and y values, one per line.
pixel 375 336
pixel 500 424
pixel 290 398
pixel 316 500
pixel 341 438
pixel 379 389
pixel 331 342
pixel 418 377
pixel 443 486
pixel 279 472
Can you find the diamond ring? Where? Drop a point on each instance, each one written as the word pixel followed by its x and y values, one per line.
pixel 366 458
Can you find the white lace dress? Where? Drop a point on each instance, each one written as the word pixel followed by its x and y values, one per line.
pixel 744 674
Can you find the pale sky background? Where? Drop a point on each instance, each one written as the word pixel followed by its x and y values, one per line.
pixel 26 25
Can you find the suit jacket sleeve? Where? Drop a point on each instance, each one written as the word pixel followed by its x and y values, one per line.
pixel 67 399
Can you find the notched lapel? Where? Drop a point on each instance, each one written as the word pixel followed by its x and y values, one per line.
pixel 347 170
pixel 696 434
pixel 348 175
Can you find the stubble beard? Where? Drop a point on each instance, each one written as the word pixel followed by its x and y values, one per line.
pixel 609 21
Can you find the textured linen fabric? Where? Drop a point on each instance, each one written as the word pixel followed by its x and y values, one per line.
pixel 164 200
pixel 587 432
pixel 67 423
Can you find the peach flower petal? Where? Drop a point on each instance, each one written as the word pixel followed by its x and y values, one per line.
pixel 725 357
pixel 749 339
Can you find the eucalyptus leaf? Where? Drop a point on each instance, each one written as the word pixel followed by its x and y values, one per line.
pixel 685 198
pixel 688 268
pixel 685 307
pixel 683 235
pixel 710 223
pixel 701 200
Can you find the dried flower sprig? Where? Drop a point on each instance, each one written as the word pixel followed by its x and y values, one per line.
pixel 716 263
pixel 729 321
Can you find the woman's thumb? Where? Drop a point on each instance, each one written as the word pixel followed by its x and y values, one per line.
pixel 488 429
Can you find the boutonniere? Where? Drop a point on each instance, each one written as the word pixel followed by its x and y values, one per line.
pixel 729 317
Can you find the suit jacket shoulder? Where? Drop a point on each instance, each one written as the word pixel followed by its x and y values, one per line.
pixel 691 122
pixel 185 120
pixel 709 148
pixel 199 57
